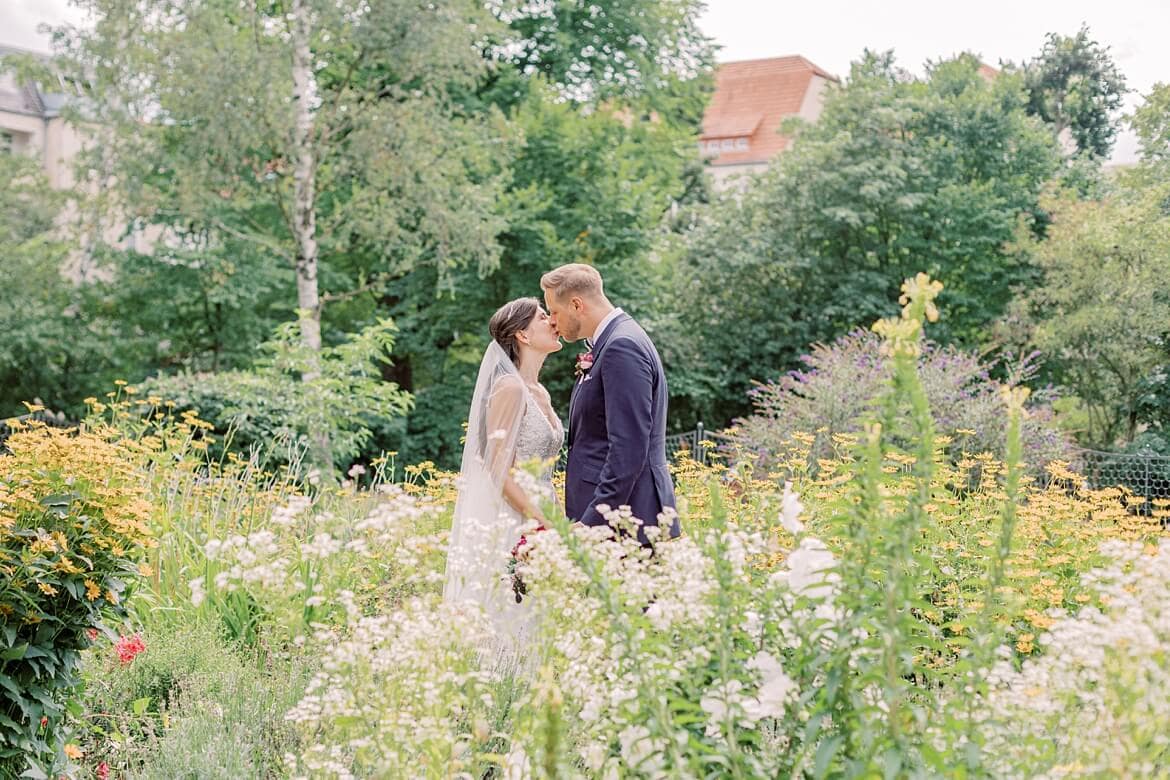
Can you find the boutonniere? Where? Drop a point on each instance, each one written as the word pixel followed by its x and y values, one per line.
pixel 584 363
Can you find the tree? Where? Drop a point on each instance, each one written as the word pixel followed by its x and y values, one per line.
pixel 593 52
pixel 1074 85
pixel 1102 312
pixel 51 346
pixel 587 185
pixel 898 175
pixel 307 132
pixel 1151 122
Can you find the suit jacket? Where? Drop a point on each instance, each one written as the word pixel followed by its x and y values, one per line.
pixel 617 431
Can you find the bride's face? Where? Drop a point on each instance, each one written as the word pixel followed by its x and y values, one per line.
pixel 541 335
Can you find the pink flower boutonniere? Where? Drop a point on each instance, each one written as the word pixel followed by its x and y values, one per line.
pixel 584 363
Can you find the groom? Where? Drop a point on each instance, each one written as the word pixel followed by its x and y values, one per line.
pixel 617 413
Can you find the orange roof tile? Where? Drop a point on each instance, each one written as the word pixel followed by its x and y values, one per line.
pixel 752 98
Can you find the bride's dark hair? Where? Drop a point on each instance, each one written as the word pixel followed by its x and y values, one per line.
pixel 510 319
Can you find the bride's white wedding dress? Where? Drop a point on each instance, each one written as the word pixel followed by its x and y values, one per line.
pixel 507 427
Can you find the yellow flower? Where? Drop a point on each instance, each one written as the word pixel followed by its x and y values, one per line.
pixel 92 591
pixel 73 752
pixel 47 589
pixel 111 597
pixel 145 569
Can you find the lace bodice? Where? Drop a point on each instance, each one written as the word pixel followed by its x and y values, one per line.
pixel 537 437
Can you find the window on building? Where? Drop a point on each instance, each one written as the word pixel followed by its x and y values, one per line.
pixel 6 142
pixel 727 143
pixel 741 143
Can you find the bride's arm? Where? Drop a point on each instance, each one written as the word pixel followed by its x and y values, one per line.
pixel 505 408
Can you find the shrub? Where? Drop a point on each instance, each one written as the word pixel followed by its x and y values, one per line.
pixel 73 528
pixel 274 408
pixel 835 392
pixel 191 705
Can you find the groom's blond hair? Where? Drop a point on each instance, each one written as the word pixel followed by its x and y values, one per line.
pixel 573 279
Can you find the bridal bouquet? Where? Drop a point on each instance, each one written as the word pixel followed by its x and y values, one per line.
pixel 514 561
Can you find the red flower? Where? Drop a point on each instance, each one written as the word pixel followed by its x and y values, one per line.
pixel 92 633
pixel 44 721
pixel 129 646
pixel 103 771
pixel 518 585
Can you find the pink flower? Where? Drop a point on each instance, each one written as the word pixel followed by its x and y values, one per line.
pixel 103 771
pixel 127 647
pixel 584 362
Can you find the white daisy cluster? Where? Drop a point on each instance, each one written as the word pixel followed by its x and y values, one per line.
pixel 298 564
pixel 254 560
pixel 393 692
pixel 635 641
pixel 1095 703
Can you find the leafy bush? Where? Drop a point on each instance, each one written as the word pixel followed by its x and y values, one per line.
pixel 74 524
pixel 191 705
pixel 835 391
pixel 274 404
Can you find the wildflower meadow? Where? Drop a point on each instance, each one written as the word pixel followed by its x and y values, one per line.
pixel 885 602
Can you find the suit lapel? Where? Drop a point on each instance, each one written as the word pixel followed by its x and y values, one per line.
pixel 602 340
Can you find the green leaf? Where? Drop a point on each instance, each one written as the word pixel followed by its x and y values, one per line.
pixel 14 653
pixel 139 706
pixel 35 773
pixel 825 752
pixel 8 684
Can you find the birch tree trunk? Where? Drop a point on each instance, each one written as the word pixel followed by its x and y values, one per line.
pixel 304 214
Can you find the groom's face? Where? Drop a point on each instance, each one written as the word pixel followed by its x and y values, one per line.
pixel 563 315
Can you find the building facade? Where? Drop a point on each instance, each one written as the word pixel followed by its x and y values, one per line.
pixel 31 123
pixel 742 125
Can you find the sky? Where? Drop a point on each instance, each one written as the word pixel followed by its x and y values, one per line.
pixel 832 33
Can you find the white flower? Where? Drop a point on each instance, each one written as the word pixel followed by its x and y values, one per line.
pixel 721 702
pixel 639 751
pixel 810 569
pixel 516 765
pixel 356 470
pixel 197 594
pixel 790 511
pixel 775 691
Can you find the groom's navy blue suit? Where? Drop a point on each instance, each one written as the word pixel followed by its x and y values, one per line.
pixel 617 431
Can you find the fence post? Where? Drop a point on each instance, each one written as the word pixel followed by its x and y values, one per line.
pixel 700 451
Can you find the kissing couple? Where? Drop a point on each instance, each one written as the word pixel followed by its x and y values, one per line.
pixel 616 439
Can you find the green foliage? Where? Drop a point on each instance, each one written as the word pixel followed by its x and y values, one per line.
pixel 52 346
pixel 1151 122
pixel 608 48
pixel 201 156
pixel 897 174
pixel 189 705
pixel 275 401
pixel 1075 85
pixel 73 526
pixel 1101 312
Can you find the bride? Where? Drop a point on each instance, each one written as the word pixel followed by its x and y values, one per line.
pixel 511 421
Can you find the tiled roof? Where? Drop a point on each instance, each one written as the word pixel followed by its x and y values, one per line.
pixel 19 96
pixel 752 98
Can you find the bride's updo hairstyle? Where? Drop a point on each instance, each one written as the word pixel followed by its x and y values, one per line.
pixel 510 319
